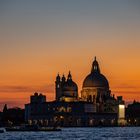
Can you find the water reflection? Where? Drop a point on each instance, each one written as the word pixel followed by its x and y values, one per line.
pixel 115 133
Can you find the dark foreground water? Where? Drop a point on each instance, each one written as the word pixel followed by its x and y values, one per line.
pixel 111 133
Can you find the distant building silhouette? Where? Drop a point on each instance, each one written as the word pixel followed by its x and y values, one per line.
pixel 5 108
pixel 12 116
pixel 97 106
pixel 133 114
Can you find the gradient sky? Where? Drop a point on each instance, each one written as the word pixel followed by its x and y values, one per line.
pixel 40 38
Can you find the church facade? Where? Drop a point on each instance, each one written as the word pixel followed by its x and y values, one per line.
pixel 96 106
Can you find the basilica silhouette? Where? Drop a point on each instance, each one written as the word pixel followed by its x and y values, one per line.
pixel 96 106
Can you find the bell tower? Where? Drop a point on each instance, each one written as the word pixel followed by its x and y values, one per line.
pixel 58 89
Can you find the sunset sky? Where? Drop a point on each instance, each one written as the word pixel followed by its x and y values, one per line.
pixel 40 38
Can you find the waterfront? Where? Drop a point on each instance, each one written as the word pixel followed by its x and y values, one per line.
pixel 115 133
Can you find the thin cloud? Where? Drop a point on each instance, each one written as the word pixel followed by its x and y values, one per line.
pixel 126 92
pixel 125 86
pixel 20 88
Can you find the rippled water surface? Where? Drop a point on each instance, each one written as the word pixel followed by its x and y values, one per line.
pixel 111 133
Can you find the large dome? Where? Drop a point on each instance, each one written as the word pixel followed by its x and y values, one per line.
pixel 95 78
pixel 70 86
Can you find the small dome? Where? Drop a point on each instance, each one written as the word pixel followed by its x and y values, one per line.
pixel 70 88
pixel 69 85
pixel 63 78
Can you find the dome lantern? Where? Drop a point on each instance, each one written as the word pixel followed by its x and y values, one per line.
pixel 95 66
pixel 69 76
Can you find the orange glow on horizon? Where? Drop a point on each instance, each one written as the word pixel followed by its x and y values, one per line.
pixel 18 84
pixel 19 95
pixel 36 44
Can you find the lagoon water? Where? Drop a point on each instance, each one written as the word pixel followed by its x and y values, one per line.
pixel 103 133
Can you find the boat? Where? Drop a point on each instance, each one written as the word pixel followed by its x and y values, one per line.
pixel 2 130
pixel 32 128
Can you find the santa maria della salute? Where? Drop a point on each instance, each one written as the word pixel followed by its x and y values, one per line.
pixel 96 105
